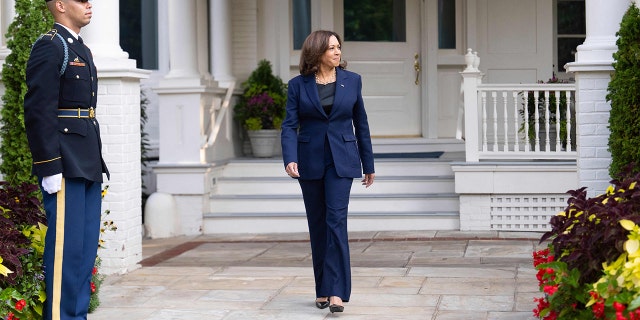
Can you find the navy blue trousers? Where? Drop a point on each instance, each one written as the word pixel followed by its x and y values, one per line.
pixel 326 202
pixel 71 246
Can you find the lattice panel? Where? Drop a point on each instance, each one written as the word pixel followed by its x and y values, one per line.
pixel 525 212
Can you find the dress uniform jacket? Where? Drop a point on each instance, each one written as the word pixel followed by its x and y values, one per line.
pixel 61 143
pixel 346 128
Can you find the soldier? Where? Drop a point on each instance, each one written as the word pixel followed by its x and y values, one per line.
pixel 64 138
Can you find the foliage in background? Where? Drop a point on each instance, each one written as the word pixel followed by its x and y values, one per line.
pixel 144 143
pixel 585 236
pixel 262 104
pixel 96 282
pixel 617 293
pixel 22 231
pixel 32 20
pixel 624 95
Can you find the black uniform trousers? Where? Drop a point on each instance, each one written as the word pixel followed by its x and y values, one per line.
pixel 326 202
pixel 71 244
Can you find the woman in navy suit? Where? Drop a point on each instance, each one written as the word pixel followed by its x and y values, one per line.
pixel 325 145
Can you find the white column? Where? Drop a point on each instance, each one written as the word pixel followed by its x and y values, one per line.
pixel 602 22
pixel 183 55
pixel 7 12
pixel 184 98
pixel 118 111
pixel 593 68
pixel 102 35
pixel 273 35
pixel 220 15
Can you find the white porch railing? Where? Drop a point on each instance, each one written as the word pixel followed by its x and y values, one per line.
pixel 517 121
pixel 216 114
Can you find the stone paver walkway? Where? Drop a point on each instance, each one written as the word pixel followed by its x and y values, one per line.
pixel 426 275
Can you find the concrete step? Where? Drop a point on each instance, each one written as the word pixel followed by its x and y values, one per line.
pixel 255 195
pixel 382 185
pixel 384 167
pixel 357 222
pixel 387 204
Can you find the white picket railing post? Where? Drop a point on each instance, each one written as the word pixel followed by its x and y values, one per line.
pixel 471 77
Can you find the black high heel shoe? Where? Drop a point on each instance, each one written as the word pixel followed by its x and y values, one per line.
pixel 335 308
pixel 322 304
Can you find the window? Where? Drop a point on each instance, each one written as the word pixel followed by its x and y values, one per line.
pixel 382 20
pixel 139 31
pixel 446 24
pixel 301 11
pixel 571 30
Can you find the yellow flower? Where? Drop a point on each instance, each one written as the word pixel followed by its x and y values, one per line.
pixel 104 191
pixel 631 246
pixel 4 270
pixel 627 224
pixel 610 190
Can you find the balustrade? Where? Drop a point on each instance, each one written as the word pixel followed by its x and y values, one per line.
pixel 517 121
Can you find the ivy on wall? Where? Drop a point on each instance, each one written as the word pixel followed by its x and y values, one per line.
pixel 32 19
pixel 624 95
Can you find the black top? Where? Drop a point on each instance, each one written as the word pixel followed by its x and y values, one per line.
pixel 326 93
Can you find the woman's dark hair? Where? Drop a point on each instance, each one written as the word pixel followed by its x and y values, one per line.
pixel 314 46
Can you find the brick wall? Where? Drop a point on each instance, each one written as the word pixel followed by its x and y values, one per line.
pixel 119 115
pixel 592 131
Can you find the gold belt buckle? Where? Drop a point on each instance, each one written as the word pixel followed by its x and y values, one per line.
pixel 92 113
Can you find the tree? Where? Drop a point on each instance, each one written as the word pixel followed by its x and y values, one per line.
pixel 624 95
pixel 32 19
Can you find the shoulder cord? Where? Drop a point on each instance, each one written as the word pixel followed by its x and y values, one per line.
pixel 66 55
pixel 65 47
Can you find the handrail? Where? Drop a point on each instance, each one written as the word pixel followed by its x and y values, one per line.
pixel 217 119
pixel 517 121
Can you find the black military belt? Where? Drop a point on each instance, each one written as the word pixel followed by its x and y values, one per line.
pixel 77 113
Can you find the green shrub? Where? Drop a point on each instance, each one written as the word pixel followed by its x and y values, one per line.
pixel 624 95
pixel 32 20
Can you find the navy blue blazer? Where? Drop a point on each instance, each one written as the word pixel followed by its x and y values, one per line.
pixel 70 146
pixel 306 126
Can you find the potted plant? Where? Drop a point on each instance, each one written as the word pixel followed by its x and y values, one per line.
pixel 261 109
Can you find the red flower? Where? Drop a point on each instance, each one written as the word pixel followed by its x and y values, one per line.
pixel 619 306
pixel 541 275
pixel 598 310
pixel 95 270
pixel 20 305
pixel 540 257
pixel 553 315
pixel 550 290
pixel 542 304
pixel 93 287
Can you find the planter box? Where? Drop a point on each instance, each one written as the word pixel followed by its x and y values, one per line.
pixel 263 142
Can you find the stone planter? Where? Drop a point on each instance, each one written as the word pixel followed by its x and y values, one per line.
pixel 263 142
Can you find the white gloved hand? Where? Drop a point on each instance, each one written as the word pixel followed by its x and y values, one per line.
pixel 52 184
